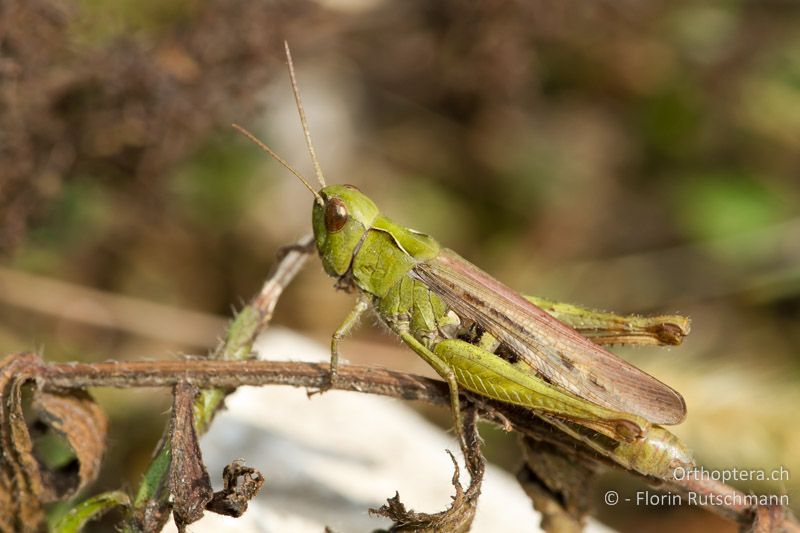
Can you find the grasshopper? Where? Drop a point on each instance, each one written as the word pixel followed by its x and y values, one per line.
pixel 477 333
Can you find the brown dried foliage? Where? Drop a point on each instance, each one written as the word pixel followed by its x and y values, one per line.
pixel 459 516
pixel 26 484
pixel 189 482
pixel 240 485
pixel 127 111
pixel 558 483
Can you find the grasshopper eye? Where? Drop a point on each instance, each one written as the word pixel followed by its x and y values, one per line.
pixel 335 215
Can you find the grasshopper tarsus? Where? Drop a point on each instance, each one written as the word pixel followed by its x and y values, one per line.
pixel 671 334
pixel 329 381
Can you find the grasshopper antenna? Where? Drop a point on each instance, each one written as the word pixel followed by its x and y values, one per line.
pixel 303 120
pixel 279 159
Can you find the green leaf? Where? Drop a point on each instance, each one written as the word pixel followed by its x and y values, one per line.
pixel 90 509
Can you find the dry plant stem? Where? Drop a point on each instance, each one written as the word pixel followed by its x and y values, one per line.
pixel 150 507
pixel 52 297
pixel 205 373
pixel 231 374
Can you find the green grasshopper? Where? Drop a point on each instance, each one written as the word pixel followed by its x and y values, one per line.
pixel 477 333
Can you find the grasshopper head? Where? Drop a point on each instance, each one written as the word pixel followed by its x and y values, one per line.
pixel 340 221
pixel 342 214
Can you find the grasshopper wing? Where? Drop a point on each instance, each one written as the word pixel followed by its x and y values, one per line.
pixel 549 347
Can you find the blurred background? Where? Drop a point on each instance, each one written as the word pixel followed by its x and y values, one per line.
pixel 624 155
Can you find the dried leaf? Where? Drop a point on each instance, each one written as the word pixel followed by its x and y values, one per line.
pixel 189 482
pixel 25 483
pixel 558 484
pixel 20 484
pixel 555 519
pixel 459 516
pixel 232 499
pixel 79 420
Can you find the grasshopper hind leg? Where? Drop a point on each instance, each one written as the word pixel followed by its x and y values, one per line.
pixel 449 376
pixel 487 374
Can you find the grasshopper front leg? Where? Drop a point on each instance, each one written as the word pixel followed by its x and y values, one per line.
pixel 350 322
pixel 608 328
